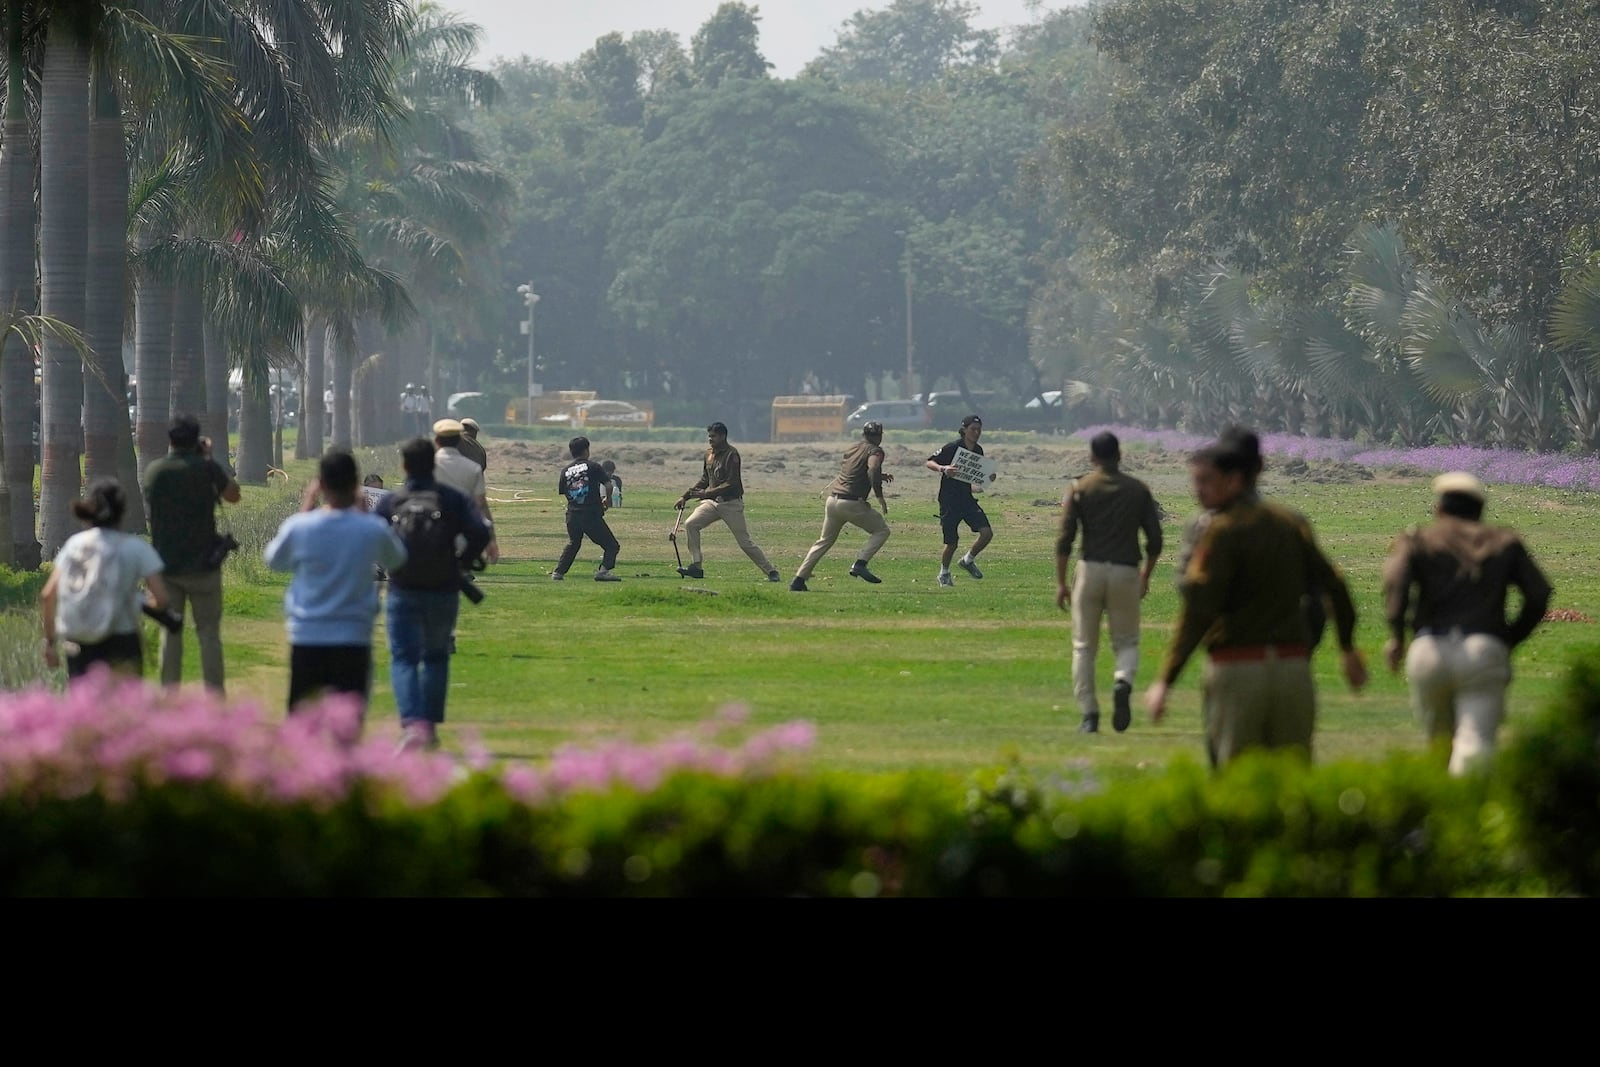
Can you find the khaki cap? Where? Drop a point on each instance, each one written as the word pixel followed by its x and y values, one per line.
pixel 447 428
pixel 471 425
pixel 1460 482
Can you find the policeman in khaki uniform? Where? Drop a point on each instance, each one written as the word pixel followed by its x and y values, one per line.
pixel 1243 597
pixel 720 491
pixel 1459 663
pixel 1110 508
pixel 861 475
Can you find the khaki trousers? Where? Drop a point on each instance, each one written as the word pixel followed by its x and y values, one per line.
pixel 1458 691
pixel 835 516
pixel 1110 590
pixel 732 513
pixel 203 592
pixel 1268 703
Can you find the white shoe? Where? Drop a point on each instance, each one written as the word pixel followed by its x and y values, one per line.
pixel 946 580
pixel 604 575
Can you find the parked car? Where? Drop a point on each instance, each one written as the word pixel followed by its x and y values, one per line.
pixel 603 413
pixel 894 414
pixel 946 409
pixel 459 405
pixel 1048 399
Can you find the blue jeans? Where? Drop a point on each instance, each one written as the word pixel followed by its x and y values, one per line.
pixel 420 621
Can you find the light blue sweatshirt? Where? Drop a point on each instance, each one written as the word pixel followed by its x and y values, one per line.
pixel 333 598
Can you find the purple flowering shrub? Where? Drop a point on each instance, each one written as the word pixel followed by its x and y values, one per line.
pixel 1557 470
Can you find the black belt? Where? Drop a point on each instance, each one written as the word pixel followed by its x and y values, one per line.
pixel 842 496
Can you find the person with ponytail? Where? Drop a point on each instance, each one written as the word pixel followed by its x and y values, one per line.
pixel 93 589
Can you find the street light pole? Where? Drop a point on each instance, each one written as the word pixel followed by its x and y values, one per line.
pixel 530 298
pixel 911 384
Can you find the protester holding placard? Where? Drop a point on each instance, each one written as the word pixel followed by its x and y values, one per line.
pixel 957 504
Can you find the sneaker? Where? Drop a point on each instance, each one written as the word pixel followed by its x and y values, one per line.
pixel 604 575
pixel 970 567
pixel 859 570
pixel 557 576
pixel 1089 725
pixel 1121 696
pixel 797 586
pixel 693 570
pixel 412 736
pixel 946 580
pixel 772 576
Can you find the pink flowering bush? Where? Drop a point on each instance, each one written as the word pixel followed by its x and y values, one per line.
pixel 116 736
pixel 118 789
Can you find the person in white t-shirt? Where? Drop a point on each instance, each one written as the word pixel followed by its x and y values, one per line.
pixel 136 562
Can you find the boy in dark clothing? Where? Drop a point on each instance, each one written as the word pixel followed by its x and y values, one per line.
pixel 616 482
pixel 587 491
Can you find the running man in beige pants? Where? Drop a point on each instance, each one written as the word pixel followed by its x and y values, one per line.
pixel 860 472
pixel 720 491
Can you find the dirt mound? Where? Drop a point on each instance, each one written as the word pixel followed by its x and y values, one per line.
pixel 1331 473
pixel 1566 615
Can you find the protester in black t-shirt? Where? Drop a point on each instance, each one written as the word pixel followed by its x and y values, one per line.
pixel 587 491
pixel 958 505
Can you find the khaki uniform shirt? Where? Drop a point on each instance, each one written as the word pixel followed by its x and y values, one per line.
pixel 1461 570
pixel 1251 570
pixel 723 475
pixel 854 480
pixel 1111 508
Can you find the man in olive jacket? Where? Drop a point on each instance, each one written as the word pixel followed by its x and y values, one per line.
pixel 1459 663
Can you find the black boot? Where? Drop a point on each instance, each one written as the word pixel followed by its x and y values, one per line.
pixel 1089 725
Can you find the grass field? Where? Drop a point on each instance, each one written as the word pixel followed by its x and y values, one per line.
pixel 896 676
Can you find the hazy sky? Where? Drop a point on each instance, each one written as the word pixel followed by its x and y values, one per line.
pixel 792 31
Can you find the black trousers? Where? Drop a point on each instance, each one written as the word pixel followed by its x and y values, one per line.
pixel 591 524
pixel 120 652
pixel 314 669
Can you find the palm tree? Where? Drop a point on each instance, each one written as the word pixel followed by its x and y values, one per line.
pixel 18 275
pixel 63 261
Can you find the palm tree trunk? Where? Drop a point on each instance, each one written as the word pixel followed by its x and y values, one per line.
pixel 105 383
pixel 188 352
pixel 312 429
pixel 255 430
pixel 18 278
pixel 63 262
pixel 152 364
pixel 214 422
pixel 344 349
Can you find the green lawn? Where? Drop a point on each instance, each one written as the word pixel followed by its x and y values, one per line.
pixel 896 676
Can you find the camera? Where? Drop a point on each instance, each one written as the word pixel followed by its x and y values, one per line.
pixel 217 553
pixel 469 588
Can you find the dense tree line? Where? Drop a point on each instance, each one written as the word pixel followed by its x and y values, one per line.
pixel 701 231
pixel 1348 216
pixel 230 186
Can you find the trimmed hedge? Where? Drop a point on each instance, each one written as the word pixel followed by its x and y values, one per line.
pixel 1268 826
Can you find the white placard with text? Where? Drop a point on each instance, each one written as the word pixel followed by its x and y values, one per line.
pixel 980 471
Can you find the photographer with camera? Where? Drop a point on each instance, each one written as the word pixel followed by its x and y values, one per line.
pixel 182 492
pixel 424 593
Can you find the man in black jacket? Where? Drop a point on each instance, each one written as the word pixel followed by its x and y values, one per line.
pixel 425 592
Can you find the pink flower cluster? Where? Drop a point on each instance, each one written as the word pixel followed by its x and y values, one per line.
pixel 114 736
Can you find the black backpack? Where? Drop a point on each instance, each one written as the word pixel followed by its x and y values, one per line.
pixel 430 539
